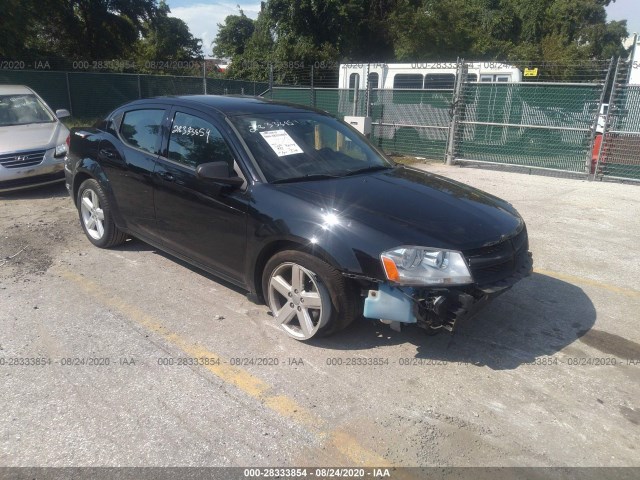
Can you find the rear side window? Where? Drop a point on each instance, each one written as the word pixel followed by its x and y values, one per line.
pixel 141 129
pixel 194 141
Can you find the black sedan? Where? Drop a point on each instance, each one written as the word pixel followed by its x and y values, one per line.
pixel 296 207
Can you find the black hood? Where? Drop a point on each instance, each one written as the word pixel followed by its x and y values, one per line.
pixel 414 207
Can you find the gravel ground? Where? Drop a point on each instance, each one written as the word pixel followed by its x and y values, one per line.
pixel 547 375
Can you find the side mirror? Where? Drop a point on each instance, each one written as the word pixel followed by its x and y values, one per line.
pixel 62 113
pixel 217 172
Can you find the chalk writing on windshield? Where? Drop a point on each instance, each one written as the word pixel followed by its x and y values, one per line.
pixel 255 126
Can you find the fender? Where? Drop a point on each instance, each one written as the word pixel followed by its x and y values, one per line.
pixel 309 228
pixel 90 168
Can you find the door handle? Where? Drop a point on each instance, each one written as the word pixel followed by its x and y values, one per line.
pixel 107 153
pixel 166 176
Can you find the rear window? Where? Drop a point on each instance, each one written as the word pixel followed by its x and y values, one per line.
pixel 141 129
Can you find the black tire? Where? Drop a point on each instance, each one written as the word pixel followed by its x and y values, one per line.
pixel 344 299
pixel 112 236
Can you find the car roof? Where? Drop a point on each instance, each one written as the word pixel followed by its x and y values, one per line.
pixel 231 105
pixel 14 89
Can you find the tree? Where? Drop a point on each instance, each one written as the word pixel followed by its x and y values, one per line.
pixel 90 29
pixel 18 23
pixel 548 30
pixel 233 35
pixel 166 38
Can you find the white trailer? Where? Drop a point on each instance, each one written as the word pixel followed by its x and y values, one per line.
pixel 421 75
pixel 634 61
pixel 411 102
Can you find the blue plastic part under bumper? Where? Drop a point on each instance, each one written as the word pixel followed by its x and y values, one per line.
pixel 390 303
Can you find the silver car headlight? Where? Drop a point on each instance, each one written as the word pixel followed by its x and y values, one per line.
pixel 410 265
pixel 60 151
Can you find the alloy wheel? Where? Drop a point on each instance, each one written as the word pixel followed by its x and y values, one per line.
pixel 298 300
pixel 92 214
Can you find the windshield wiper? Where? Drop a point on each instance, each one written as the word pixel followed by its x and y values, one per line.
pixel 310 176
pixel 370 168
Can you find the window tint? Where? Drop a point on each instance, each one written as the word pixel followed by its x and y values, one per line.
pixel 194 141
pixel 472 77
pixel 295 145
pixel 439 81
pixel 141 129
pixel 407 80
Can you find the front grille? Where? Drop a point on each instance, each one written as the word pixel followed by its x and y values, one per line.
pixel 497 262
pixel 22 159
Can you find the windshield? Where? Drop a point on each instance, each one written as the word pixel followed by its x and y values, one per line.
pixel 22 109
pixel 299 146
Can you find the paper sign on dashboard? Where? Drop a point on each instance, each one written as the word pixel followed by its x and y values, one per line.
pixel 281 142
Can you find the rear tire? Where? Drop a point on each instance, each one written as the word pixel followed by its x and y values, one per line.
pixel 95 216
pixel 291 278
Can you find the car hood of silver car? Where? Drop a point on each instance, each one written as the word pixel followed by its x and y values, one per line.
pixel 32 136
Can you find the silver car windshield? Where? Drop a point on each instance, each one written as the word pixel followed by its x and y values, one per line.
pixel 22 109
pixel 299 146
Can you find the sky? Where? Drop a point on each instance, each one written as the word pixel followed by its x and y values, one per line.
pixel 626 9
pixel 203 17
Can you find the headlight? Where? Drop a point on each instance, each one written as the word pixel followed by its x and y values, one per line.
pixel 60 151
pixel 425 266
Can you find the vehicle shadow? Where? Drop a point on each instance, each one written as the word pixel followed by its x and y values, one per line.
pixel 56 190
pixel 538 317
pixel 134 244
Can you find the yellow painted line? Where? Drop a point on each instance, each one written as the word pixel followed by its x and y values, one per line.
pixel 586 281
pixel 238 377
pixel 350 448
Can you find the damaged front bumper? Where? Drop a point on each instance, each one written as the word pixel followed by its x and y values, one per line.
pixel 438 308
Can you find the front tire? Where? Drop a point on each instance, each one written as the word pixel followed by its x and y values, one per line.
pixel 95 216
pixel 307 296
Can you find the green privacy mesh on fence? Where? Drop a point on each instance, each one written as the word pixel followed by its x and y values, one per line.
pixel 408 122
pixel 92 95
pixel 217 86
pixel 536 125
pixel 95 94
pixel 620 156
pixel 299 95
pixel 51 86
pixel 412 122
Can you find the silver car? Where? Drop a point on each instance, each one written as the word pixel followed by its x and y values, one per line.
pixel 32 140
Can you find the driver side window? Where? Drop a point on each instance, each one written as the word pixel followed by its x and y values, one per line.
pixel 193 141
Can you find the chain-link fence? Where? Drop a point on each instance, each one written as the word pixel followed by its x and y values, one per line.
pixel 543 117
pixel 545 125
pixel 91 95
pixel 619 153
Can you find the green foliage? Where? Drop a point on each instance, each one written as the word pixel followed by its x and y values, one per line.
pixel 233 35
pixel 93 30
pixel 309 31
pixel 88 29
pixel 166 38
